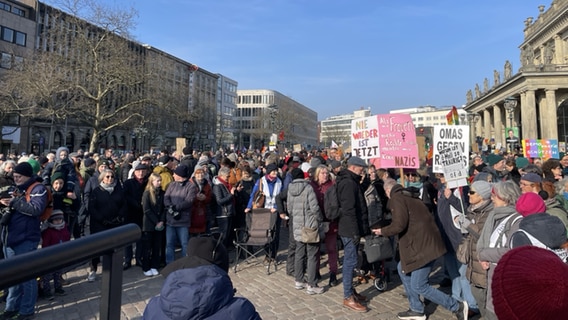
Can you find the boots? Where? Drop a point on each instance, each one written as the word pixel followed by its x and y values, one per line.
pixel 353 304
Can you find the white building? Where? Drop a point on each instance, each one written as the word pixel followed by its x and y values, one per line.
pixel 429 116
pixel 338 128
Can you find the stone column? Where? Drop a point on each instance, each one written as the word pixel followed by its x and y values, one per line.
pixel 558 49
pixel 486 124
pixel 528 115
pixel 549 128
pixel 498 125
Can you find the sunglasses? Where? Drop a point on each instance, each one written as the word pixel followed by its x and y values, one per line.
pixel 109 177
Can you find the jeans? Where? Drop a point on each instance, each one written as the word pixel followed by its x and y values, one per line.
pixel 22 297
pixel 461 289
pixel 350 245
pixel 174 234
pixel 416 284
pixel 306 252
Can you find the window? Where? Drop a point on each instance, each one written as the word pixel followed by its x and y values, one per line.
pixel 18 12
pixel 20 38
pixel 5 60
pixel 7 34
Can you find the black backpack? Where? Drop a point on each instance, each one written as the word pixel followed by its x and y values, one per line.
pixel 331 203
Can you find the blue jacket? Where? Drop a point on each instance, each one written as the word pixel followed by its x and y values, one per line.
pixel 204 292
pixel 24 224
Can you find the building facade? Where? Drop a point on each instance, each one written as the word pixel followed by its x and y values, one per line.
pixel 533 99
pixel 338 128
pixel 226 111
pixel 429 116
pixel 264 114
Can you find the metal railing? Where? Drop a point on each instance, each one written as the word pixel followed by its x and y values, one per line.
pixel 108 244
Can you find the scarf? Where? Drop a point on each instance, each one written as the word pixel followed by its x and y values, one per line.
pixel 56 226
pixel 270 178
pixel 495 216
pixel 108 187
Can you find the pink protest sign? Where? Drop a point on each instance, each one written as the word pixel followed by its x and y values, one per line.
pixel 397 142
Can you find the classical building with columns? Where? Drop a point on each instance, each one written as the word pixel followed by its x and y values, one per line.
pixel 535 98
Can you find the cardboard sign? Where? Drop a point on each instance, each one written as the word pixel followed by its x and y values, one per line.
pixel 453 138
pixel 454 171
pixel 387 140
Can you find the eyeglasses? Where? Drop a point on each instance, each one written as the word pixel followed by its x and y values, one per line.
pixel 524 184
pixel 471 192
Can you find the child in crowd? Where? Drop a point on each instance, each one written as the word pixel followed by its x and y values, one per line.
pixel 55 233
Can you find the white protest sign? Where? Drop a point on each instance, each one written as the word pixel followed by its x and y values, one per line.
pixel 365 137
pixel 454 138
pixel 454 171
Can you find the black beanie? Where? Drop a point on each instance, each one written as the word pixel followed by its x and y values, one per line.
pixel 24 169
pixel 297 173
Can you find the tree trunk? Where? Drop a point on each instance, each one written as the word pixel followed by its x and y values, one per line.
pixel 94 141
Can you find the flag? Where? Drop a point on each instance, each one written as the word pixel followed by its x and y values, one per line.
pixel 281 135
pixel 456 116
pixel 333 144
pixel 450 118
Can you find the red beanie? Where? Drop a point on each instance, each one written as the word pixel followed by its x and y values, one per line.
pixel 530 203
pixel 530 283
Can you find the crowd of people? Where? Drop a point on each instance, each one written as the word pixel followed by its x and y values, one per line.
pixel 509 202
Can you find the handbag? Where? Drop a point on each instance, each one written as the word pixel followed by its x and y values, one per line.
pixel 258 199
pixel 310 235
pixel 378 248
pixel 463 250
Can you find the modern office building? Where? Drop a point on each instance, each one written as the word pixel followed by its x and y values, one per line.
pixel 533 97
pixel 264 114
pixel 429 116
pixel 338 128
pixel 226 111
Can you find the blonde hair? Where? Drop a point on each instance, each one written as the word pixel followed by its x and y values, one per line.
pixel 319 169
pixel 150 187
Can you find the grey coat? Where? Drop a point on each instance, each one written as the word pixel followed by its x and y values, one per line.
pixel 303 207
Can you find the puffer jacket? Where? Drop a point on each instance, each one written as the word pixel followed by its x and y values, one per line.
pixel 203 292
pixel 477 214
pixel 303 207
pixel 224 198
pixel 420 241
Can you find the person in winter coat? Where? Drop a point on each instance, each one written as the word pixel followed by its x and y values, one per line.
pixel 133 190
pixel 353 224
pixel 198 287
pixel 107 209
pixel 201 209
pixel 225 199
pixel 153 226
pixel 480 206
pixel 271 187
pixel 420 244
pixel 55 233
pixel 321 182
pixel 493 242
pixel 178 201
pixel 303 206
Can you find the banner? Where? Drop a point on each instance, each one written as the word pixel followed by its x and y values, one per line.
pixel 541 148
pixel 389 140
pixel 450 137
pixel 454 171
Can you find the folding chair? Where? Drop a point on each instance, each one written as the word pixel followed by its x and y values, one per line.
pixel 259 234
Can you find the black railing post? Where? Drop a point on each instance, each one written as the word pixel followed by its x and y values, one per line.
pixel 111 286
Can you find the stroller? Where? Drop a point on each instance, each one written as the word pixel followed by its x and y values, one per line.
pixel 377 250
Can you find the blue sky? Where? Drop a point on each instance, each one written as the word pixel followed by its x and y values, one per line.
pixel 337 56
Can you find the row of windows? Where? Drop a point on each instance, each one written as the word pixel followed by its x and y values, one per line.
pixel 249 112
pixel 9 61
pixel 256 99
pixel 15 10
pixel 13 36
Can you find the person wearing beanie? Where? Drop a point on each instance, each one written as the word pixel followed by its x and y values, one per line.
pixel 198 286
pixel 56 233
pixel 21 234
pixel 70 204
pixel 165 169
pixel 531 182
pixel 480 206
pixel 494 238
pixel 530 283
pixel 541 230
pixel 530 203
pixel 495 166
pixel 178 201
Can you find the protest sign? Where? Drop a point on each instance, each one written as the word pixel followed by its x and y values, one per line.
pixel 453 168
pixel 450 137
pixel 388 140
pixel 541 148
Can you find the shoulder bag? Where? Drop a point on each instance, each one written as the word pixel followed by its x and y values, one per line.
pixel 258 199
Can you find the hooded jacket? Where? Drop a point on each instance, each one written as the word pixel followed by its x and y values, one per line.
pixel 180 194
pixel 303 206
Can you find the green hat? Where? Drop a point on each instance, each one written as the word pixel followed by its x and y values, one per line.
pixel 493 159
pixel 35 165
pixel 521 162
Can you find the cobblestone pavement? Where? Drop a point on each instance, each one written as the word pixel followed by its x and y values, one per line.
pixel 274 295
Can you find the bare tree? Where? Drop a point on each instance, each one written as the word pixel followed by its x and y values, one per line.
pixel 90 71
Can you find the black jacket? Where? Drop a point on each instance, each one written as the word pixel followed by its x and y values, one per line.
pixel 353 221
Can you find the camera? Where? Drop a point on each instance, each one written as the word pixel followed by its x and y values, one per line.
pixel 173 212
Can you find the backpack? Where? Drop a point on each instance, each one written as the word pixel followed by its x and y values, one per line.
pixel 48 208
pixel 331 203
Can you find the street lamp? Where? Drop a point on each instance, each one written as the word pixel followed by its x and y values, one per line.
pixel 510 104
